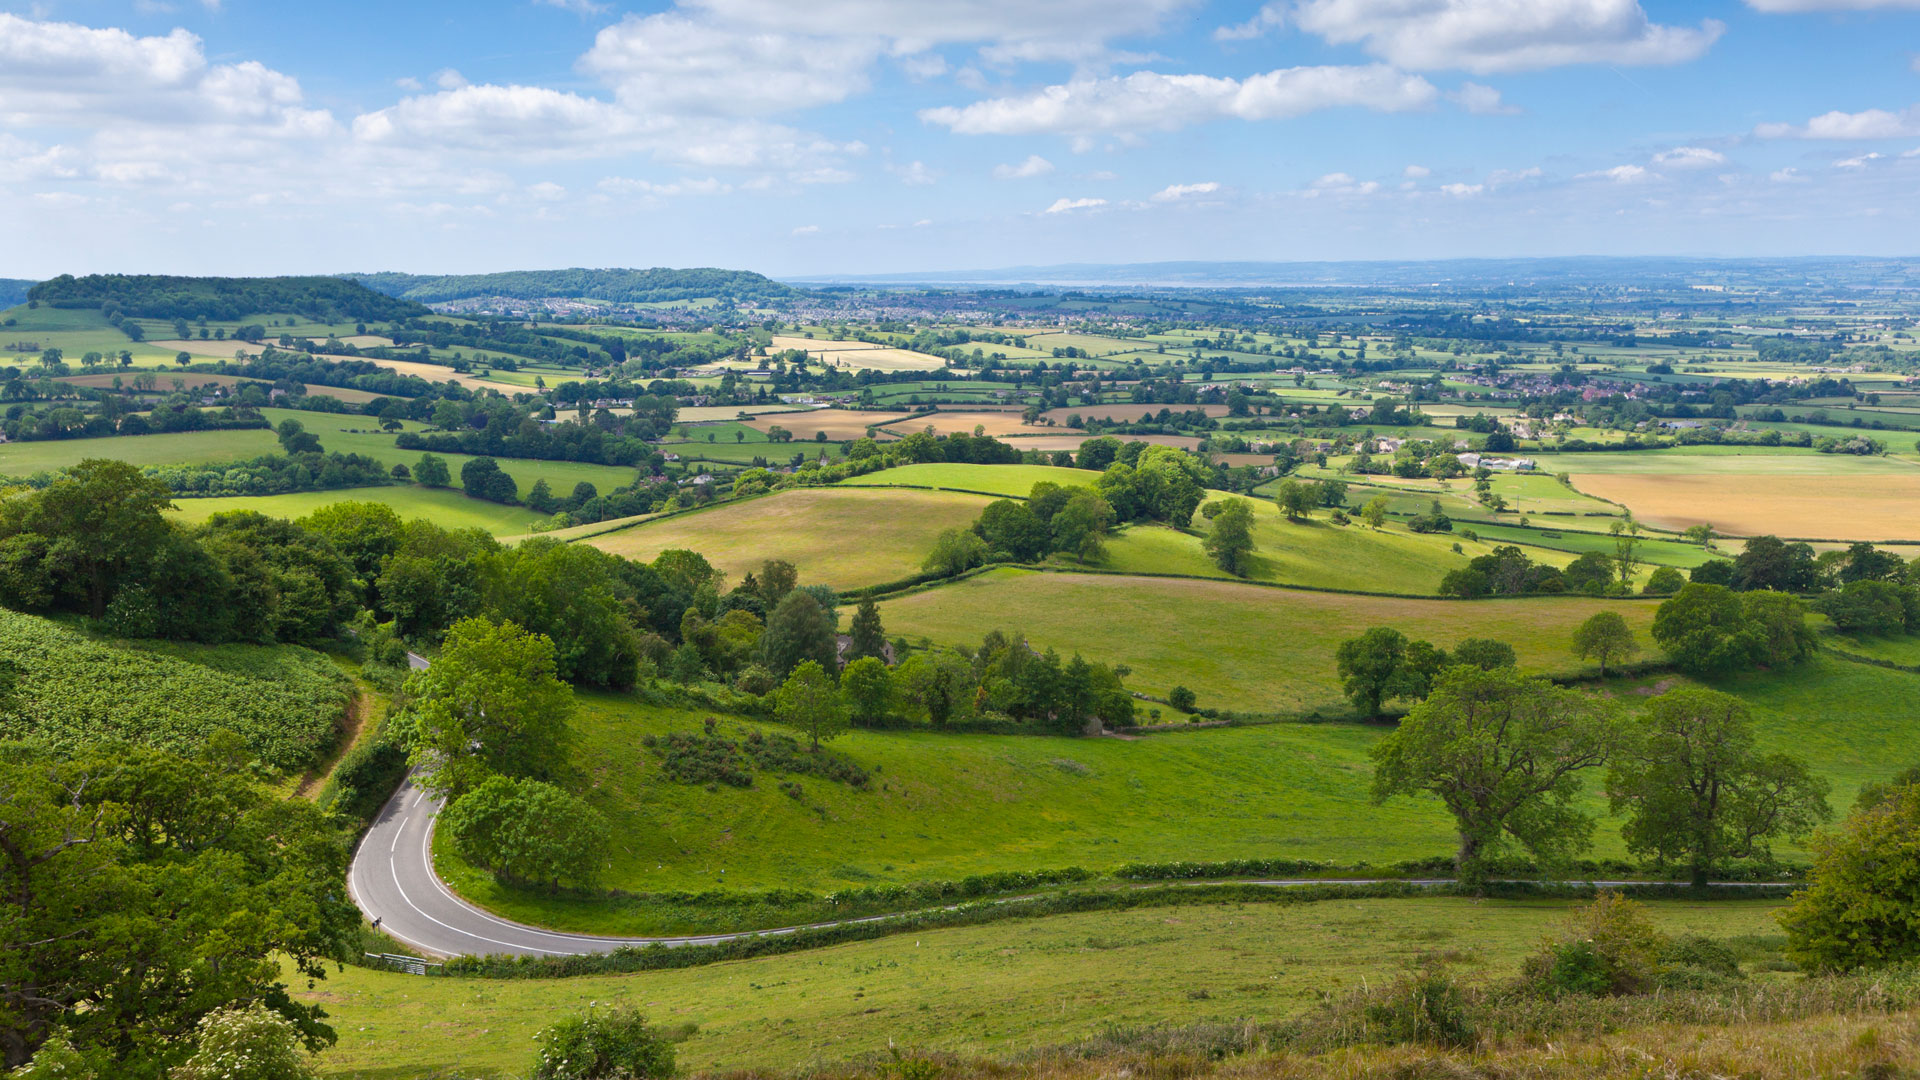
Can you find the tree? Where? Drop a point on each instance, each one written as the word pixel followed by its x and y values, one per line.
pixel 491 704
pixel 799 632
pixel 577 596
pixel 481 478
pixel 1605 638
pixel 1080 526
pixel 809 701
pixel 1229 541
pixel 432 472
pixel 540 497
pixel 1382 664
pixel 614 1045
pixel 1872 793
pixel 296 439
pixel 527 830
pixel 1182 698
pixel 248 1042
pixel 98 524
pixel 778 577
pixel 1008 526
pixel 868 637
pixel 1768 562
pixel 1503 752
pixel 1664 581
pixel 145 890
pixel 1869 606
pixel 1485 654
pixel 1695 790
pixel 1296 499
pixel 1626 548
pixel 1862 906
pixel 1374 513
pixel 955 551
pixel 868 687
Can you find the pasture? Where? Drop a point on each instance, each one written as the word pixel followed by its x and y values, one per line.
pixel 1243 647
pixel 446 507
pixel 840 425
pixel 1010 480
pixel 846 537
pixel 1000 987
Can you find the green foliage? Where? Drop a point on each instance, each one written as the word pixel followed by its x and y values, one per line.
pixel 955 551
pixel 810 702
pixel 1424 1004
pixel 1697 792
pixel 72 691
pixel 432 472
pixel 1012 531
pixel 246 1043
pixel 1606 948
pixel 799 632
pixel 868 636
pixel 1711 630
pixel 156 296
pixel 868 687
pixel 576 596
pixel 365 777
pixel 1485 654
pixel 189 890
pixel 614 1045
pixel 1664 581
pixel 527 830
pixel 1229 540
pixel 1869 606
pixel 74 542
pixel 491 704
pixel 1863 906
pixel 1605 638
pixel 482 478
pixel 1382 664
pixel 1503 753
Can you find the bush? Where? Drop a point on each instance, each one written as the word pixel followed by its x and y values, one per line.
pixel 1863 908
pixel 530 831
pixel 251 1043
pixel 614 1045
pixel 1424 1005
pixel 1606 948
pixel 365 777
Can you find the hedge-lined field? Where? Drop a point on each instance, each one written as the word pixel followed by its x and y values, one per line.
pixel 77 690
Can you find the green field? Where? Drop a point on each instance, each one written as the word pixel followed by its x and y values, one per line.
pixel 1001 987
pixel 446 507
pixel 845 537
pixel 1011 480
pixel 1242 647
pixel 177 448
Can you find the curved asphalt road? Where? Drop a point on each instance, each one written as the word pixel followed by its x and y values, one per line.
pixel 393 882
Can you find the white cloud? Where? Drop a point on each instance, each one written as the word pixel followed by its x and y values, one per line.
pixel 1503 177
pixel 1176 192
pixel 1868 124
pixel 1690 157
pixel 621 185
pixel 1148 100
pixel 1787 175
pixel 1461 191
pixel 672 63
pixel 1503 35
pixel 408 82
pixel 914 174
pixel 449 79
pixel 578 7
pixel 1035 165
pixel 1065 205
pixel 1481 100
pixel 1011 29
pixel 923 66
pixel 1619 174
pixel 1271 16
pixel 1416 172
pixel 1339 183
pixel 806 230
pixel 923 223
pixel 546 191
pixel 1860 162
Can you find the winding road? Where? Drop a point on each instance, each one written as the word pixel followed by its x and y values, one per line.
pixel 393 882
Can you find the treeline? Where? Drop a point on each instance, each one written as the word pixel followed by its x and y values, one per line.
pixel 153 296
pixel 655 285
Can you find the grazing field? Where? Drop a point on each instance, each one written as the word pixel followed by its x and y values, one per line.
pixel 839 424
pixel 859 355
pixel 175 448
pixel 844 537
pixel 1876 507
pixel 446 507
pixel 1242 647
pixel 1000 987
pixel 1011 480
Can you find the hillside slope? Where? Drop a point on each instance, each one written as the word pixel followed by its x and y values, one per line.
pixel 658 284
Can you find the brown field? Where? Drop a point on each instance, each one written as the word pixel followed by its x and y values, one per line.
pixel 844 537
pixel 1125 412
pixel 437 373
pixel 1878 507
pixel 997 423
pixel 1051 443
pixel 707 414
pixel 219 350
pixel 1245 459
pixel 839 424
pixel 859 354
pixel 165 385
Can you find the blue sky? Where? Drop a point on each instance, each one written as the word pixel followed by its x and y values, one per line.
pixel 842 136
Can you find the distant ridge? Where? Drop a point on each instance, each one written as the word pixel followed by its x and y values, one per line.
pixel 656 285
pixel 14 291
pixel 164 296
pixel 1563 271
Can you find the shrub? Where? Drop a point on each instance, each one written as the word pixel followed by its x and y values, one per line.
pixel 1424 1005
pixel 1606 948
pixel 1863 907
pixel 617 1044
pixel 252 1043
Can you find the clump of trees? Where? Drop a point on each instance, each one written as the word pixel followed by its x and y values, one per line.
pixel 1712 630
pixel 1859 910
pixel 1054 519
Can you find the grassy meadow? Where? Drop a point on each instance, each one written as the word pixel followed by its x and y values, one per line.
pixel 446 507
pixel 845 537
pixel 1001 987
pixel 1239 646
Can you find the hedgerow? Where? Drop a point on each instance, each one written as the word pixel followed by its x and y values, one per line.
pixel 75 690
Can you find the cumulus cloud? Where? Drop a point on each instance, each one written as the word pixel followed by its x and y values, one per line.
pixel 1008 29
pixel 1867 124
pixel 1860 162
pixel 1176 192
pixel 1798 6
pixel 1689 157
pixel 1065 205
pixel 1481 100
pixel 1339 183
pixel 1148 100
pixel 671 62
pixel 1271 16
pixel 914 173
pixel 626 186
pixel 1035 165
pixel 1485 36
pixel 1462 191
pixel 1619 174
